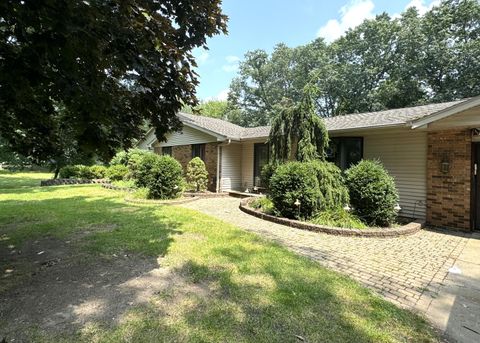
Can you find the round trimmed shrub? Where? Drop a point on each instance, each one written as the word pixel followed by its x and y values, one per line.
pixel 166 178
pixel 197 175
pixel 68 172
pixel 116 172
pixel 267 172
pixel 142 168
pixel 98 172
pixel 319 186
pixel 372 193
pixel 291 182
pixel 134 159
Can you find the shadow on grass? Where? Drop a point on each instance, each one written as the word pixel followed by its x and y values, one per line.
pixel 76 260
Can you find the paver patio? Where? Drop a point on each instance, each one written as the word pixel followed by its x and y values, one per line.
pixel 411 271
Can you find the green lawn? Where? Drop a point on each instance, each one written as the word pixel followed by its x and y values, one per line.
pixel 248 289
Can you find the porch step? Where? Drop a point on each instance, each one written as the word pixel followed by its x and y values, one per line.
pixel 239 194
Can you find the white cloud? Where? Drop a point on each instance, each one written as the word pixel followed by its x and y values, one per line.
pixel 351 15
pixel 232 64
pixel 223 95
pixel 422 8
pixel 201 56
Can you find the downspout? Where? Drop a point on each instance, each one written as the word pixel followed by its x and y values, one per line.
pixel 219 147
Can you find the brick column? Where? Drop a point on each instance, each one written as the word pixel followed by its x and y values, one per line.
pixel 448 191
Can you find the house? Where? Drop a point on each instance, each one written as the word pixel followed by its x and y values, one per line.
pixel 432 151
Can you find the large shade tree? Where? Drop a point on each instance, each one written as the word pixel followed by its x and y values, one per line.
pixel 87 75
pixel 383 63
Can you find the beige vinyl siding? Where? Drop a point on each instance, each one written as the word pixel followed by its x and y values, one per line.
pixel 187 136
pixel 231 167
pixel 145 143
pixel 404 154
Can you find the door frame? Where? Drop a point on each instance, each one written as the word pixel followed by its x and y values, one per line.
pixel 474 198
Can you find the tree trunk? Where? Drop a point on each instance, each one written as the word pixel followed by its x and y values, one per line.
pixel 57 170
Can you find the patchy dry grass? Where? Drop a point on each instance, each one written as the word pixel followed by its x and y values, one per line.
pixel 150 273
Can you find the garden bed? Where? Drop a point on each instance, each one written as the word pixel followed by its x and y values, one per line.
pixel 407 229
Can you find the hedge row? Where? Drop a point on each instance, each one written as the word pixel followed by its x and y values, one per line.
pixel 160 177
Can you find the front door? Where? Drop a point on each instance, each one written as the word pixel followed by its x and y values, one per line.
pixel 476 186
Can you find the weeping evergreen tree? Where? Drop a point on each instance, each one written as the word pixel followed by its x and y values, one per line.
pixel 297 132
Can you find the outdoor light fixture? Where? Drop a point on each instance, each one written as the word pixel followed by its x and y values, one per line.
pixel 445 165
pixel 347 208
pixel 298 203
pixel 397 208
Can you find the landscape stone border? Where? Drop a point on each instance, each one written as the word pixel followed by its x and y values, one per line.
pixel 407 229
pixel 61 182
pixel 161 202
pixel 108 185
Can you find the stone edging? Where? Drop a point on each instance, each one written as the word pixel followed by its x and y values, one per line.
pixel 60 182
pixel 408 229
pixel 161 202
pixel 108 185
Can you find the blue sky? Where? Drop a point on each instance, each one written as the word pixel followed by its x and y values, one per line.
pixel 261 24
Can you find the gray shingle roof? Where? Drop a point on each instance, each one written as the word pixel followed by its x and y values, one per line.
pixel 218 126
pixel 395 117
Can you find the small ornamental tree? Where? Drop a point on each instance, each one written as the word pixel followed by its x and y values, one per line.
pixel 297 132
pixel 197 175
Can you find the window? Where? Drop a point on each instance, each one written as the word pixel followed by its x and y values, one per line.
pixel 260 159
pixel 345 151
pixel 198 150
pixel 167 150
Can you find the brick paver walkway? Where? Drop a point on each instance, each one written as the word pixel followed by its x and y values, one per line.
pixel 405 270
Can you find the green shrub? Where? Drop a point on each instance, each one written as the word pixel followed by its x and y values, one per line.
pixel 267 172
pixel 338 218
pixel 333 193
pixel 264 204
pixel 120 157
pixel 166 178
pixel 68 172
pixel 372 193
pixel 291 182
pixel 142 168
pixel 317 185
pixel 135 157
pixel 84 172
pixel 197 175
pixel 116 172
pixel 98 172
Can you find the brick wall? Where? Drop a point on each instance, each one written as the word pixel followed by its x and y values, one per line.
pixel 448 194
pixel 183 154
